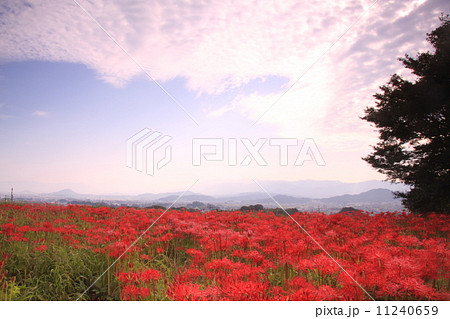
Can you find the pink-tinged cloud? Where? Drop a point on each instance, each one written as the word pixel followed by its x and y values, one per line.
pixel 218 45
pixel 214 45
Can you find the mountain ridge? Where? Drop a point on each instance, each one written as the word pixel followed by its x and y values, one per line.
pixel 373 195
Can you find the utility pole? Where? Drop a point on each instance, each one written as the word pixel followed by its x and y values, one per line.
pixel 12 194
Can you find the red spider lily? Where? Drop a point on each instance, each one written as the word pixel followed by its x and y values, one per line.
pixel 8 228
pixel 47 226
pixel 192 292
pixel 248 256
pixel 149 275
pixel 146 275
pixel 24 229
pixel 189 275
pixel 41 248
pixel 246 290
pixel 198 256
pixel 130 292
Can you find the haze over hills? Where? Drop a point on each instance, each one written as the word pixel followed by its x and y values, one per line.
pixel 306 195
pixel 303 188
pixel 374 195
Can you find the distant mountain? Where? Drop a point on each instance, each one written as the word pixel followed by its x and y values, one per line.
pixel 305 195
pixel 65 193
pixel 379 195
pixel 187 198
pixel 244 197
pixel 372 196
pixel 285 199
pixel 145 197
pixel 261 198
pixel 322 189
pixel 303 188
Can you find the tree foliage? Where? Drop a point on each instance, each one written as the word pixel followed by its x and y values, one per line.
pixel 414 129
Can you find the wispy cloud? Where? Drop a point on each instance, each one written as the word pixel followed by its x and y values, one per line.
pixel 226 44
pixel 215 46
pixel 40 113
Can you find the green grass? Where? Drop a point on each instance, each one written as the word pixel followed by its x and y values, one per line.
pixel 59 273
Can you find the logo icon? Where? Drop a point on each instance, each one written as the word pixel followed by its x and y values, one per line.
pixel 142 149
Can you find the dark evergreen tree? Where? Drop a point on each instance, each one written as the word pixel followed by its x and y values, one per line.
pixel 413 122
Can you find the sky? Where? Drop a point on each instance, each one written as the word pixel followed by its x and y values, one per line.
pixel 78 79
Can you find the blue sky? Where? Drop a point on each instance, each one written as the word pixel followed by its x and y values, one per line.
pixel 70 97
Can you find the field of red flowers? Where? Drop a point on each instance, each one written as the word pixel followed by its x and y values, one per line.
pixel 51 252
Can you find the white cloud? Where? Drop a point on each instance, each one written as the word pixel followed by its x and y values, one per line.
pixel 214 45
pixel 217 112
pixel 40 113
pixel 218 45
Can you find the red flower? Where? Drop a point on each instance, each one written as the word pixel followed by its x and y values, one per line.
pixel 47 225
pixel 41 248
pixel 149 275
pixel 130 292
